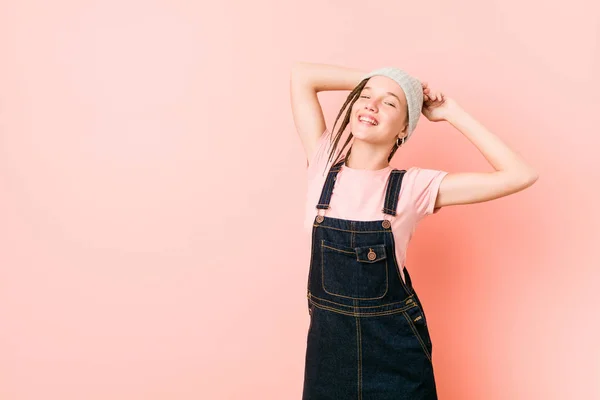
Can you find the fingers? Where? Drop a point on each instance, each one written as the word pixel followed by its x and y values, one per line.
pixel 429 96
pixel 426 94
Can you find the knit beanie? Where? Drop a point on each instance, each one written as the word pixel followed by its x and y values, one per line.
pixel 412 90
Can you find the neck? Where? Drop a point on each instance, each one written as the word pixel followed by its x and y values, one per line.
pixel 366 156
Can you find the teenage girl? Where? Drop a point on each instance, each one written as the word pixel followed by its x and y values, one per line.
pixel 368 337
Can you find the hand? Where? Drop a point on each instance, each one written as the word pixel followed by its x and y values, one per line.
pixel 436 105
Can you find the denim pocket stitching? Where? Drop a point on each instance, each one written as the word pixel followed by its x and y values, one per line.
pixel 379 249
pixel 416 333
pixel 337 247
pixel 347 251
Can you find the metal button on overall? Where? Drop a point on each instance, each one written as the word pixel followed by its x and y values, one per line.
pixel 371 256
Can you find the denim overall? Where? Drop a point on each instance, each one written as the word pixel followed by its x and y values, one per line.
pixel 368 337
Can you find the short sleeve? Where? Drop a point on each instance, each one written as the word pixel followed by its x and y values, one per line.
pixel 319 161
pixel 423 186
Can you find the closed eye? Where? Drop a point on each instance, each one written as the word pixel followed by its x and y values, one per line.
pixel 390 104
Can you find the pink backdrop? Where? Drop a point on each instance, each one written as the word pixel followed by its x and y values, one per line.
pixel 152 188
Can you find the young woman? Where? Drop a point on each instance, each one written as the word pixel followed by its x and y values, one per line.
pixel 368 337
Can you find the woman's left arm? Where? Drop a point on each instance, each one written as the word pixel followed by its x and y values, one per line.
pixel 512 174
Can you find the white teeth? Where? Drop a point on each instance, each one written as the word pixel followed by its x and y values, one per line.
pixel 369 120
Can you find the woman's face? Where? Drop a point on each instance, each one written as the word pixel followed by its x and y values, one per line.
pixel 379 115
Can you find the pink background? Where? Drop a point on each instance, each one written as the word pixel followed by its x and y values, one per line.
pixel 152 188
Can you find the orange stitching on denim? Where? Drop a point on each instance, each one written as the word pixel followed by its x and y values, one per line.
pixel 407 300
pixel 359 358
pixel 389 196
pixel 372 247
pixel 396 200
pixel 350 297
pixel 354 251
pixel 362 314
pixel 350 231
pixel 339 246
pixel 414 329
pixel 310 267
pixel 322 267
pixel 387 192
pixel 339 250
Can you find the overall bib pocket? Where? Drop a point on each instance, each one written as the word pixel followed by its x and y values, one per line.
pixel 354 272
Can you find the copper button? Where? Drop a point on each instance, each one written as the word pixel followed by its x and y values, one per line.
pixel 319 219
pixel 386 224
pixel 371 256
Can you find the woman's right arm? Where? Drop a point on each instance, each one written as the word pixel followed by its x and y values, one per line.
pixel 306 80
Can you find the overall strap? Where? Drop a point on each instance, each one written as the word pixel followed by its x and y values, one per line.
pixel 328 186
pixel 393 191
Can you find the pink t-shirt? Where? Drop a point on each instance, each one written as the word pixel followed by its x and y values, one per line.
pixel 359 195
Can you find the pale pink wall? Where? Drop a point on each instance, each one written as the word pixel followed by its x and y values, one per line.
pixel 151 194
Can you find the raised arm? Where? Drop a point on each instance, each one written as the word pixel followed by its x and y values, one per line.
pixel 512 173
pixel 306 80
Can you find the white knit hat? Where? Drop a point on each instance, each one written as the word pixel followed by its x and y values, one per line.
pixel 412 90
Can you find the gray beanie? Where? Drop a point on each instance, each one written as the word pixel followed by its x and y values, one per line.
pixel 412 90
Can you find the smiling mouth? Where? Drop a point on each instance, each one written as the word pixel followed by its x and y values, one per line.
pixel 367 121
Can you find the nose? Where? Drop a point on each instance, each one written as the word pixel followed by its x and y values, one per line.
pixel 370 105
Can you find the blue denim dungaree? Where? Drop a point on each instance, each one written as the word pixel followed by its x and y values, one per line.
pixel 368 337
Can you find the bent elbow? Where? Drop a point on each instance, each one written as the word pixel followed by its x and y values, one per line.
pixel 529 178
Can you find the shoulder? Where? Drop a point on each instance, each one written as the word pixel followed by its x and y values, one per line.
pixel 420 187
pixel 420 176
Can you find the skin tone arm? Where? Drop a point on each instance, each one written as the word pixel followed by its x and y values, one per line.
pixel 307 79
pixel 512 174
